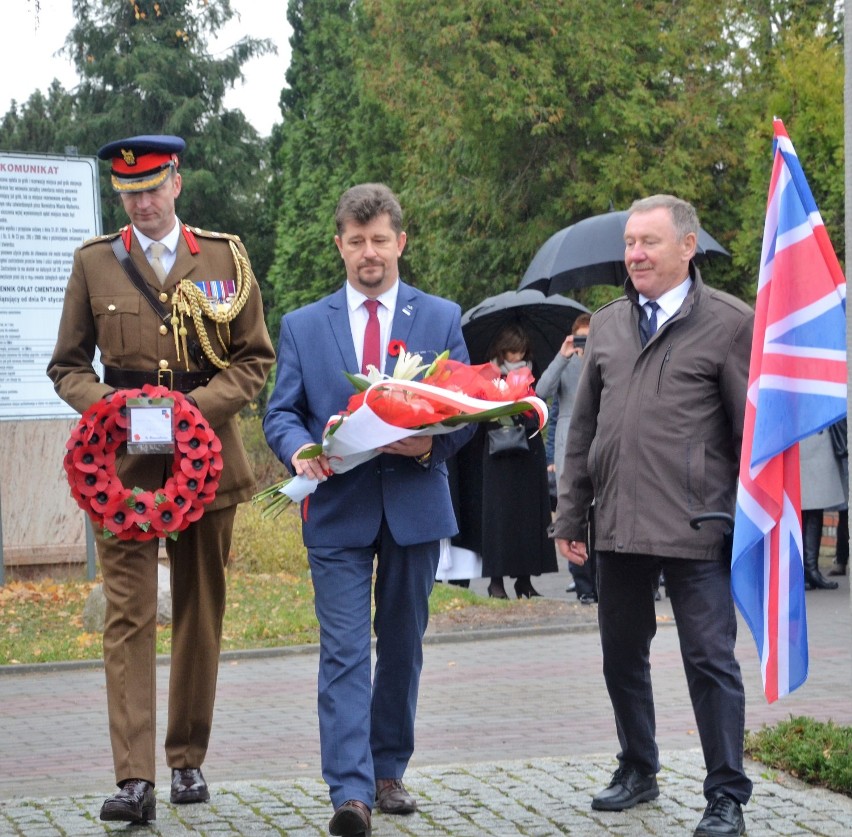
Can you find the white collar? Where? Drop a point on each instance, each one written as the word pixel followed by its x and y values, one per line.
pixel 170 240
pixel 354 297
pixel 671 300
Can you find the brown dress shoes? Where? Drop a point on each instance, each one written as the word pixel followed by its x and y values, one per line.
pixel 188 785
pixel 135 802
pixel 351 819
pixel 393 798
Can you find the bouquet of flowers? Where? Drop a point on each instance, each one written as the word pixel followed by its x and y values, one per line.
pixel 387 408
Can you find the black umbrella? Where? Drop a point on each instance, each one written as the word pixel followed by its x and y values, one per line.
pixel 546 319
pixel 591 252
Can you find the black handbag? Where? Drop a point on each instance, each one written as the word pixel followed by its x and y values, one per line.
pixel 507 440
pixel 837 432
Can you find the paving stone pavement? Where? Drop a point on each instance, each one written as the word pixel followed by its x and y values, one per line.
pixel 514 736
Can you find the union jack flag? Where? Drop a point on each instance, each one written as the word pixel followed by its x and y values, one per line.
pixel 797 386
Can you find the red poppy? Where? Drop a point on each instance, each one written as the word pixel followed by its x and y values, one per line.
pixel 215 462
pixel 197 446
pixel 193 512
pixel 75 439
pixel 87 458
pixel 194 467
pixel 117 515
pixel 100 502
pixel 141 505
pixel 395 347
pixel 137 534
pixel 90 484
pixel 187 484
pixel 186 429
pixel 167 517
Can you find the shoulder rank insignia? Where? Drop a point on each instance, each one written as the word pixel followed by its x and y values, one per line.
pixel 211 234
pixel 97 238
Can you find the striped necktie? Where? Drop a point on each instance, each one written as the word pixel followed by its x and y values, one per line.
pixel 648 322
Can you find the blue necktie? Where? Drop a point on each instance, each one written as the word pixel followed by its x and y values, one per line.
pixel 648 322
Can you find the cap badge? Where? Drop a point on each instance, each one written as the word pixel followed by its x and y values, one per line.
pixel 129 156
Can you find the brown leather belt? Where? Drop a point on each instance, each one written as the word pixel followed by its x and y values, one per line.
pixel 172 378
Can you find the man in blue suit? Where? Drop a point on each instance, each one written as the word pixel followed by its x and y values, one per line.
pixel 395 508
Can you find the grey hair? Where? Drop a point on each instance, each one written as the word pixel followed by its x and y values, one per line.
pixel 684 216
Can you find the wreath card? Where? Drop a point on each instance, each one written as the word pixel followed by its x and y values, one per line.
pixel 151 427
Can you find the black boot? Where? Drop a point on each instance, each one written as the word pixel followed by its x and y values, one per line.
pixel 841 557
pixel 811 538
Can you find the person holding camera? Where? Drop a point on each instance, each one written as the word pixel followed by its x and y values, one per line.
pixel 559 381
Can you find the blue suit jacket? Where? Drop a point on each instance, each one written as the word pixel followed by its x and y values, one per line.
pixel 315 347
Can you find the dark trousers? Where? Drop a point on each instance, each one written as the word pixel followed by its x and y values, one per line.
pixel 367 732
pixel 700 593
pixel 842 553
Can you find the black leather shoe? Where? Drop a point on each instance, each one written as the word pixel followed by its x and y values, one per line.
pixel 723 817
pixel 627 788
pixel 815 580
pixel 393 798
pixel 188 785
pixel 351 819
pixel 135 802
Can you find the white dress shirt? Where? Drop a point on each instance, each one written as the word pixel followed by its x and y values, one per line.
pixel 170 242
pixel 358 316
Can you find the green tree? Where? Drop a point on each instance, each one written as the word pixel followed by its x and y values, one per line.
pixel 42 123
pixel 332 136
pixel 799 79
pixel 522 118
pixel 145 68
pixel 499 123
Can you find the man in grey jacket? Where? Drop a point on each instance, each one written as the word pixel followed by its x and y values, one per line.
pixel 655 441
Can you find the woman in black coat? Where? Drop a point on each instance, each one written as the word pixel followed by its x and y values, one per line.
pixel 503 501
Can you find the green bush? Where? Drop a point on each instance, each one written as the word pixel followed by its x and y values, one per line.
pixel 265 546
pixel 268 546
pixel 267 469
pixel 817 752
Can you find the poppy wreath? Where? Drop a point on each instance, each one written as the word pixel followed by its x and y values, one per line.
pixel 133 513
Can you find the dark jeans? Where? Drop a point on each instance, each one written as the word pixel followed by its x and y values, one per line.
pixel 700 593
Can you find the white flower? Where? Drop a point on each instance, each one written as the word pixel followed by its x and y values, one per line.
pixel 408 366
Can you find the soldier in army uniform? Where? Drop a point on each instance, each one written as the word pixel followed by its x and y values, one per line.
pixel 165 304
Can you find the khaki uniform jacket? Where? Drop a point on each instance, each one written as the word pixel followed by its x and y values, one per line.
pixel 103 308
pixel 656 432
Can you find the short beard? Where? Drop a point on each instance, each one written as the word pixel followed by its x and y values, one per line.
pixel 372 283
